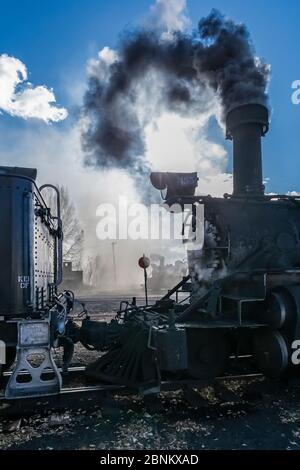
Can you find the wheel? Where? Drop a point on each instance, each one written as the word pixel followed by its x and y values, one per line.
pixel 271 353
pixel 208 353
pixel 279 310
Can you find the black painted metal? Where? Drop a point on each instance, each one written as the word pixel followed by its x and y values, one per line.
pixel 245 126
pixel 27 245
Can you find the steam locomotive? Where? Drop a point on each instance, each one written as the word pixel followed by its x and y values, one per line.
pixel 243 286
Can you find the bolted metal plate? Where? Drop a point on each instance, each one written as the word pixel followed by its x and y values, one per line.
pixel 171 347
pixel 33 333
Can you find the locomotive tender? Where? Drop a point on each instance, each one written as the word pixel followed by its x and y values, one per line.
pixel 244 283
pixel 32 313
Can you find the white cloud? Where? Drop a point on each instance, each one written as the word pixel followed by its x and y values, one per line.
pixel 100 67
pixel 19 98
pixel 168 15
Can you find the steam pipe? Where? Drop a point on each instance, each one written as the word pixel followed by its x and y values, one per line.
pixel 59 237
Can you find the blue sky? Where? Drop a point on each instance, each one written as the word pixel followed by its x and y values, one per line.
pixel 55 39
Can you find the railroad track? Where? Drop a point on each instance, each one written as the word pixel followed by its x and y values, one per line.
pixel 86 396
pixel 78 371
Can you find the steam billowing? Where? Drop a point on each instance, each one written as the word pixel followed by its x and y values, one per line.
pixel 152 73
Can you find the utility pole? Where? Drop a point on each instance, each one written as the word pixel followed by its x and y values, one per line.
pixel 114 263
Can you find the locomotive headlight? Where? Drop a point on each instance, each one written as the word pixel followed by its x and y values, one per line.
pixel 176 184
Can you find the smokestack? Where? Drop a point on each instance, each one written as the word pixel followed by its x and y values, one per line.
pixel 245 125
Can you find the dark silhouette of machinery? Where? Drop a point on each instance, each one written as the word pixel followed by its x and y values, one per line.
pixel 33 314
pixel 243 283
pixel 164 276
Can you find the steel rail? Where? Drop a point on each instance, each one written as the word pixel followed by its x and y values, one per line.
pixel 165 385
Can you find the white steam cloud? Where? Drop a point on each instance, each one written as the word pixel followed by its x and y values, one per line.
pixel 39 148
pixel 19 98
pixel 168 16
pixel 172 142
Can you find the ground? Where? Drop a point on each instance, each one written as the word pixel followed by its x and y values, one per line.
pixel 256 414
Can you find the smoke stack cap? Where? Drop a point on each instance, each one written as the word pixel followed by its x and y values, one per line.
pixel 247 114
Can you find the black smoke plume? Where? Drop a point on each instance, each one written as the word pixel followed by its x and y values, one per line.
pixel 176 73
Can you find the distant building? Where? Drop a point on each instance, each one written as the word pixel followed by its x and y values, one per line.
pixel 71 279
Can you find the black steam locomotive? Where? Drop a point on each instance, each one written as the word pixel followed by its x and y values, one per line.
pixel 244 281
pixel 243 284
